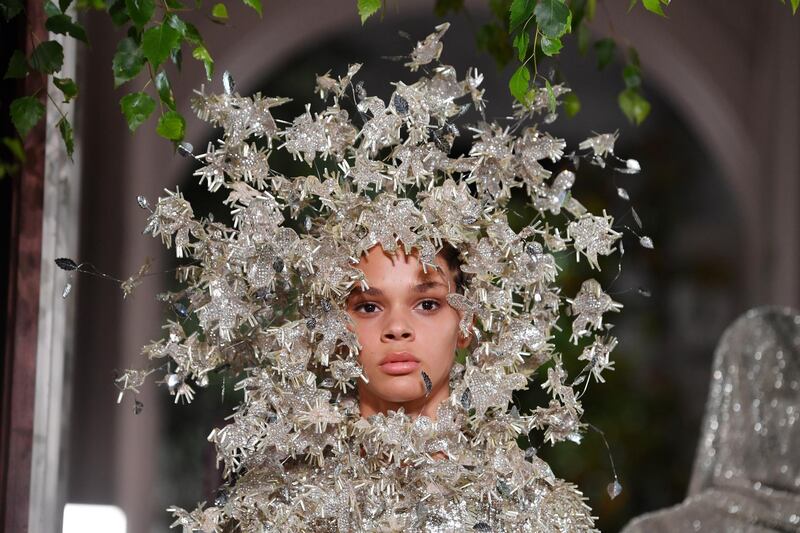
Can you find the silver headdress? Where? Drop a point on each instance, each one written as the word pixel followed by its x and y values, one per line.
pixel 268 292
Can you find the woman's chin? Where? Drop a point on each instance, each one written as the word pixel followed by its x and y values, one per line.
pixel 400 389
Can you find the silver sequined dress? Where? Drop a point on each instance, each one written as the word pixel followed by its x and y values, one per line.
pixel 746 476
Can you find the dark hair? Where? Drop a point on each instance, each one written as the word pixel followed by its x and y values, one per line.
pixel 452 257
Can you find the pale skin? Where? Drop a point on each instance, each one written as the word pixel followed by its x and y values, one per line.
pixel 404 324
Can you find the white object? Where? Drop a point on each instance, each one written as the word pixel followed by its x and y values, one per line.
pixel 87 518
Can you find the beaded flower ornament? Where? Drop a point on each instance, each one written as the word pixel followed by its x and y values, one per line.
pixel 268 295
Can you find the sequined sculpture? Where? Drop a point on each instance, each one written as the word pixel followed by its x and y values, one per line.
pixel 268 295
pixel 746 476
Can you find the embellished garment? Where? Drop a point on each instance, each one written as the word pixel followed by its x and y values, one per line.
pixel 411 476
pixel 268 294
pixel 746 475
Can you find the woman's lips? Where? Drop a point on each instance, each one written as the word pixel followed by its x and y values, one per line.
pixel 399 363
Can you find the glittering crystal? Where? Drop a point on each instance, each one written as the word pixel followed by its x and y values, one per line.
pixel 636 218
pixel 614 489
pixel 646 242
pixel 426 380
pixel 221 497
pixel 466 399
pixel 172 381
pixel 137 407
pixel 622 193
pixel 185 149
pixel 227 83
pixel 601 145
pixel 143 203
pixel 65 263
pixel 400 104
pixel 67 289
pixel 633 165
pixel 180 310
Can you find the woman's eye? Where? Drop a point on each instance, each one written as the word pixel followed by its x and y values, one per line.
pixel 429 305
pixel 367 307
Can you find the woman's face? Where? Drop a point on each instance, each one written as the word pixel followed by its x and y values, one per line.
pixel 404 325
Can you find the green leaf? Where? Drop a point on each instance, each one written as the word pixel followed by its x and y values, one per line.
pixel 521 41
pixel 136 107
pixel 118 12
pixel 128 61
pixel 63 24
pixel 654 6
pixel 519 83
pixel 178 23
pixel 553 18
pixel 176 56
pixel 65 128
pixel 519 13
pixel 591 7
pixel 50 9
pixel 26 112
pixel 47 57
pixel 10 9
pixel 494 39
pixel 171 126
pixel 67 87
pixel 192 35
pixel 633 104
pixel 157 42
pixel 255 4
pixel 632 76
pixel 583 39
pixel 367 8
pixel 571 104
pixel 175 4
pixel 443 7
pixel 17 66
pixel 98 5
pixel 551 96
pixel 633 57
pixel 219 11
pixel 550 47
pixel 795 5
pixel 164 90
pixel 14 146
pixel 140 11
pixel 201 54
pixel 604 48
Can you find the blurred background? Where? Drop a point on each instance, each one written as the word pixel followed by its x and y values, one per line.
pixel 718 195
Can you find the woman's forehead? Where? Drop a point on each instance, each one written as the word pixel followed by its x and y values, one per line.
pixel 376 258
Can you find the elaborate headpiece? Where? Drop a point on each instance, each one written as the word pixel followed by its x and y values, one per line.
pixel 268 295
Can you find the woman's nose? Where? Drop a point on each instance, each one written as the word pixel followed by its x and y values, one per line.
pixel 397 328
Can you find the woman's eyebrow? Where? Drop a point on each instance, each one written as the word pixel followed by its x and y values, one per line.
pixel 428 285
pixel 372 291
